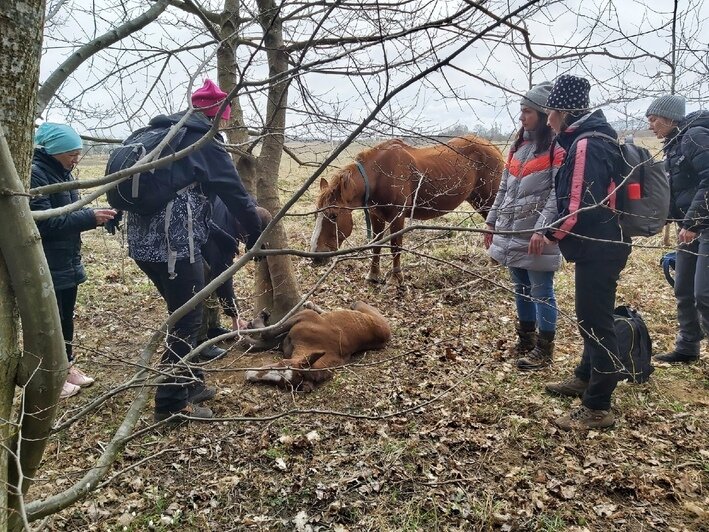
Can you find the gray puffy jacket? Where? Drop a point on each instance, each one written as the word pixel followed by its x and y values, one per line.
pixel 524 201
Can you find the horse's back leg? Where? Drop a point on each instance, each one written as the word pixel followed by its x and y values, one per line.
pixel 375 273
pixel 397 225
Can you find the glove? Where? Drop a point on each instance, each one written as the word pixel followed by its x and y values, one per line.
pixel 115 223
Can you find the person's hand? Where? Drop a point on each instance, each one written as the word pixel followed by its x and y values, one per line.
pixel 104 215
pixel 238 324
pixel 487 237
pixel 536 244
pixel 686 236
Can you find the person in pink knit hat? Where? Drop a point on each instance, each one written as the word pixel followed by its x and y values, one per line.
pixel 209 99
pixel 166 245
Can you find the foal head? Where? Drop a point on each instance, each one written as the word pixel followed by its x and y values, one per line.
pixel 333 220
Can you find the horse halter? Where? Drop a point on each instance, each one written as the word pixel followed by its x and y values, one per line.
pixel 367 219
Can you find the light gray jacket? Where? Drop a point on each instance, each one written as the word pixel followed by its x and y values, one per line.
pixel 524 201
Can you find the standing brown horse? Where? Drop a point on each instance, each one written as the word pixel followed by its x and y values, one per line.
pixel 394 181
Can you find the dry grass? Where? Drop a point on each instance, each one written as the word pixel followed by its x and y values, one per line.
pixel 480 455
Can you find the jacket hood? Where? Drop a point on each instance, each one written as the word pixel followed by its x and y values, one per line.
pixel 51 163
pixel 694 119
pixel 197 121
pixel 595 121
pixel 697 118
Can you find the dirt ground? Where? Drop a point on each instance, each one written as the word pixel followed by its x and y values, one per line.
pixel 437 432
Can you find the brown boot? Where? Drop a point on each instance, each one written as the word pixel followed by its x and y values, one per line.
pixel 541 356
pixel 573 387
pixel 583 418
pixel 526 339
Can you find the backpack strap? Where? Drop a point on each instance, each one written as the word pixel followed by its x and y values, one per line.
pixel 171 253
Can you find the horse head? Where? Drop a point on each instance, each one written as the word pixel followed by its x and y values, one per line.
pixel 333 219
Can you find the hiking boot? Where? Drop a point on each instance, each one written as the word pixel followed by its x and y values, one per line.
pixel 673 357
pixel 573 387
pixel 200 393
pixel 210 353
pixel 583 418
pixel 541 356
pixel 79 378
pixel 213 332
pixel 184 415
pixel 526 339
pixel 69 390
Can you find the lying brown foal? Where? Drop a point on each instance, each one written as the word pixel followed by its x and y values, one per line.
pixel 312 343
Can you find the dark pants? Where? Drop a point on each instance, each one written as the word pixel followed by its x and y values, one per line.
pixel 596 283
pixel 66 301
pixel 692 294
pixel 172 395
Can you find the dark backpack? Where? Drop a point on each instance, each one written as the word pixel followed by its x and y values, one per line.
pixel 647 215
pixel 148 192
pixel 634 345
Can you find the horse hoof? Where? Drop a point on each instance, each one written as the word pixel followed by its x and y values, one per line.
pixel 376 281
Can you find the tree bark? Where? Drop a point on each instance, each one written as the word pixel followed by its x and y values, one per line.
pixel 42 367
pixel 9 355
pixel 275 287
pixel 279 291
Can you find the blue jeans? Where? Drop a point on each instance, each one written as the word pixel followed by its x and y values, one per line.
pixel 692 294
pixel 534 296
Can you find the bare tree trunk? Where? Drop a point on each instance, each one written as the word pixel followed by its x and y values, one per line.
pixel 281 286
pixel 275 287
pixel 226 74
pixel 673 71
pixel 9 355
pixel 42 367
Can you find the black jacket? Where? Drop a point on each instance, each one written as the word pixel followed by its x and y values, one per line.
pixel 212 169
pixel 687 164
pixel 225 233
pixel 584 179
pixel 61 234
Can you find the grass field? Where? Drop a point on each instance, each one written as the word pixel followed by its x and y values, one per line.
pixel 464 441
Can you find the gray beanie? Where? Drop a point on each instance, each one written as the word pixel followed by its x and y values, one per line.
pixel 668 106
pixel 536 97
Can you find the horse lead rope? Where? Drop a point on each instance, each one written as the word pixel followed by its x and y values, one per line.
pixel 367 220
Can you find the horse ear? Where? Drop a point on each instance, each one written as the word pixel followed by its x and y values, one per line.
pixel 323 183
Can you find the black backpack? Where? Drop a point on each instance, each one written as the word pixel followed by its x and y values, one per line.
pixel 647 215
pixel 634 345
pixel 148 192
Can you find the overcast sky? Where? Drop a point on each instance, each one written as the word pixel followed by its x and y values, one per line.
pixel 443 99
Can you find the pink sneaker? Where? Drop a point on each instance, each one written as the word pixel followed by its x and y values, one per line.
pixel 69 390
pixel 78 377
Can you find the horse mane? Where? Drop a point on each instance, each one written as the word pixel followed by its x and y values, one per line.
pixel 329 195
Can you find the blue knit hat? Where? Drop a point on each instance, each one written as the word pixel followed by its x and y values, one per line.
pixel 570 93
pixel 668 106
pixel 57 138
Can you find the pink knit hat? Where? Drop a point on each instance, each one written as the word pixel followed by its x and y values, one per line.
pixel 209 98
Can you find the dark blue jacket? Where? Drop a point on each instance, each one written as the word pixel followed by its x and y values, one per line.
pixel 687 164
pixel 219 251
pixel 61 238
pixel 586 176
pixel 212 169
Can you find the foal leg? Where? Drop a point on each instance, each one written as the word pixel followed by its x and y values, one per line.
pixel 375 274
